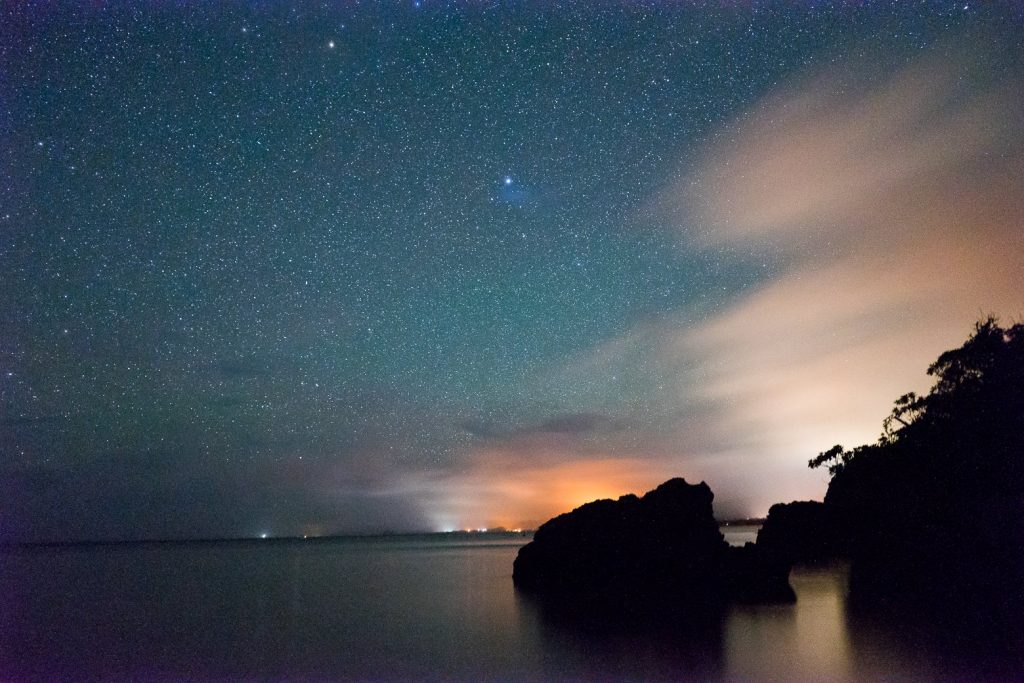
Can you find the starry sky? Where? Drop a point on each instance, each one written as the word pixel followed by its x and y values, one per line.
pixel 310 268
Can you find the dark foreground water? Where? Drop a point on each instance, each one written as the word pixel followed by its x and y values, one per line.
pixel 430 607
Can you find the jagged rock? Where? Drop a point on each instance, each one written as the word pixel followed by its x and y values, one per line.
pixel 755 576
pixel 663 548
pixel 802 531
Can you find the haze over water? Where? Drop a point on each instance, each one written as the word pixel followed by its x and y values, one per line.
pixel 416 607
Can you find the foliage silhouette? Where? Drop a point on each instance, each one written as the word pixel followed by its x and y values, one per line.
pixel 933 510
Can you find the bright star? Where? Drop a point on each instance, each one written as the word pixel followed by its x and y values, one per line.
pixel 330 44
pixel 508 180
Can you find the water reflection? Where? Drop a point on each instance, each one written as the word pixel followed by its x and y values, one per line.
pixel 934 646
pixel 584 644
pixel 803 641
pixel 815 639
pixel 808 640
pixel 409 609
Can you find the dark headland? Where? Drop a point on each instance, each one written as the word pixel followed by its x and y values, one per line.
pixel 663 549
pixel 930 519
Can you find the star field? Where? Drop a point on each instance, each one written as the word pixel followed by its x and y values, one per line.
pixel 262 263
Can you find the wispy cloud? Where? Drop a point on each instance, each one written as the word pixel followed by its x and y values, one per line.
pixel 896 206
pixel 513 485
pixel 562 423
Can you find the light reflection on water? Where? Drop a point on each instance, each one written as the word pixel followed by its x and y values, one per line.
pixel 786 642
pixel 738 534
pixel 407 608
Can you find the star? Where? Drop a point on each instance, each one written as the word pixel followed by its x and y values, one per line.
pixel 313 227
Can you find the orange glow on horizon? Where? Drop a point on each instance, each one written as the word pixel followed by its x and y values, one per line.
pixel 868 195
pixel 497 494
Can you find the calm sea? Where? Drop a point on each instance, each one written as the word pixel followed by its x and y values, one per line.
pixel 426 607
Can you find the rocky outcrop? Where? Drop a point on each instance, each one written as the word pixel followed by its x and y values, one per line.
pixel 802 532
pixel 660 551
pixel 754 576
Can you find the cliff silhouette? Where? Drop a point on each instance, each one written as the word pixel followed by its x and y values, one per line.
pixel 932 515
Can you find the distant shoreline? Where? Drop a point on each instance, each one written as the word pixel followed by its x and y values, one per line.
pixel 15 545
pixel 384 535
pixel 751 521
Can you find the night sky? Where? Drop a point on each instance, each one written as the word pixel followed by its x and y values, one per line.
pixel 306 268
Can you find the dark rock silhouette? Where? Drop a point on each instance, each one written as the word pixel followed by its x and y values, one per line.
pixel 632 552
pixel 755 576
pixel 803 532
pixel 663 551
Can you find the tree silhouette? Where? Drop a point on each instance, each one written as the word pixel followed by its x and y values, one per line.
pixel 978 388
pixel 933 509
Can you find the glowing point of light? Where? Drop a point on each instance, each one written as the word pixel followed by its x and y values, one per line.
pixel 330 44
pixel 508 180
pixel 263 535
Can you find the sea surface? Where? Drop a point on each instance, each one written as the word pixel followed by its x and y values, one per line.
pixel 410 607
